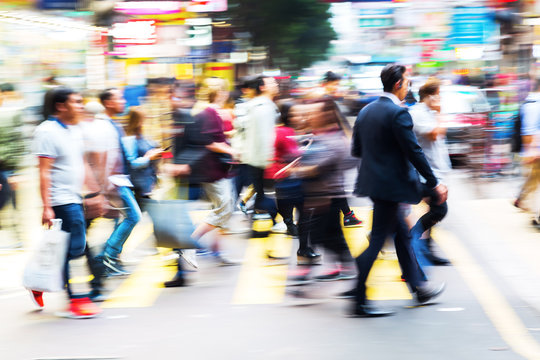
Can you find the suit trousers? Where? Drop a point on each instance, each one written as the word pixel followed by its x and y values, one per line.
pixel 387 220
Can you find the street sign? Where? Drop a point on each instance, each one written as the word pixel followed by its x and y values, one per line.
pixel 57 4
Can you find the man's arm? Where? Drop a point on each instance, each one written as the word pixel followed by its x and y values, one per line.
pixel 45 165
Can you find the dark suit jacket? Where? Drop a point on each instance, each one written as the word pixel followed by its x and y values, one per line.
pixel 384 139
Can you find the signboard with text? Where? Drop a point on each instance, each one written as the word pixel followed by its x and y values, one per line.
pixel 57 4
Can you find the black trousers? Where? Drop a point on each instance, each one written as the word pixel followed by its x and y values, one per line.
pixel 242 178
pixel 262 202
pixel 436 212
pixel 324 229
pixel 343 205
pixel 94 263
pixel 387 220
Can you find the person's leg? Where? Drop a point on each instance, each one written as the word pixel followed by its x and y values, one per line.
pixel 242 179
pixel 95 266
pixel 343 205
pixel 115 243
pixel 531 183
pixel 336 240
pixel 412 271
pixel 219 193
pixel 73 222
pixel 435 214
pixel 179 279
pixel 285 209
pixel 303 229
pixel 384 223
pixel 250 191
pixel 349 218
pixel 261 201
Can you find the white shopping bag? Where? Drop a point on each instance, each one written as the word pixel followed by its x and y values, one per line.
pixel 45 269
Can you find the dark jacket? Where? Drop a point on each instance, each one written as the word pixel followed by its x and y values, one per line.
pixel 193 133
pixel 383 137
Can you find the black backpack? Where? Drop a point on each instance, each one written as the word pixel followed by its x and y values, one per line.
pixel 516 140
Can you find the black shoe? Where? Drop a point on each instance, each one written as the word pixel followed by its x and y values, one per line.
pixel 335 275
pixel 436 260
pixel 425 294
pixel 292 230
pixel 349 294
pixel 430 255
pixel 97 296
pixel 351 220
pixel 114 267
pixel 370 311
pixel 177 281
pixel 307 257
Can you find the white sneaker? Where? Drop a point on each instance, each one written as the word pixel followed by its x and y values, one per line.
pixel 190 256
pixel 279 228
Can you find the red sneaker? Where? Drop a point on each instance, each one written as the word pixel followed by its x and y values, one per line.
pixel 83 308
pixel 37 298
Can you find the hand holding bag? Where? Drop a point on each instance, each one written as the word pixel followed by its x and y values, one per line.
pixel 45 269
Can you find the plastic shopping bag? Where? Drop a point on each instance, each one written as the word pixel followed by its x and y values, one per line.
pixel 45 269
pixel 172 224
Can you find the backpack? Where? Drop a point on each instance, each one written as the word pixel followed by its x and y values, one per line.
pixel 516 140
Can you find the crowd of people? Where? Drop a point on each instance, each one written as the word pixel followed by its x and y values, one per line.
pixel 234 147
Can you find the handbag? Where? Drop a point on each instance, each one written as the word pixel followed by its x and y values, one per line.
pixel 172 224
pixel 45 269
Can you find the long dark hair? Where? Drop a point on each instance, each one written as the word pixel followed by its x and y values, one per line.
pixel 285 109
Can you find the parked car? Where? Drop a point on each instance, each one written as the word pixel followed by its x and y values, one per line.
pixel 464 113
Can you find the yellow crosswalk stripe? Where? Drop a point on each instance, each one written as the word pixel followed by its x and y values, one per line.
pixel 384 280
pixel 260 284
pixel 143 286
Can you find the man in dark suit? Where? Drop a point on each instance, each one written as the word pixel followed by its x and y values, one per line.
pixel 391 160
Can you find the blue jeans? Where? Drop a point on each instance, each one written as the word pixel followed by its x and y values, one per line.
pixel 132 213
pixel 435 214
pixel 73 222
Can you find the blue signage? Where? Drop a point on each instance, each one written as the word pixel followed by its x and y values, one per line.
pixel 472 26
pixel 57 4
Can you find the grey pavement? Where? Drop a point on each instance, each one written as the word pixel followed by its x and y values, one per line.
pixel 204 321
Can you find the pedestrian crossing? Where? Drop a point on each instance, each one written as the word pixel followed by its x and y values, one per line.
pixel 258 280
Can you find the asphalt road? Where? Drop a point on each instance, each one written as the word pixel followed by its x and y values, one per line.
pixel 490 309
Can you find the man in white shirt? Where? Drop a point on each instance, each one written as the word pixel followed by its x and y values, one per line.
pixel 431 138
pixel 530 131
pixel 58 143
pixel 259 138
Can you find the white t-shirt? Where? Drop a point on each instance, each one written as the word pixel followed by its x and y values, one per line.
pixel 65 145
pixel 95 135
pixel 436 152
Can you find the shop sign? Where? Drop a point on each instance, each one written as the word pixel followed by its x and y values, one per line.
pixel 134 32
pixel 207 6
pixel 57 4
pixel 472 26
pixel 374 18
